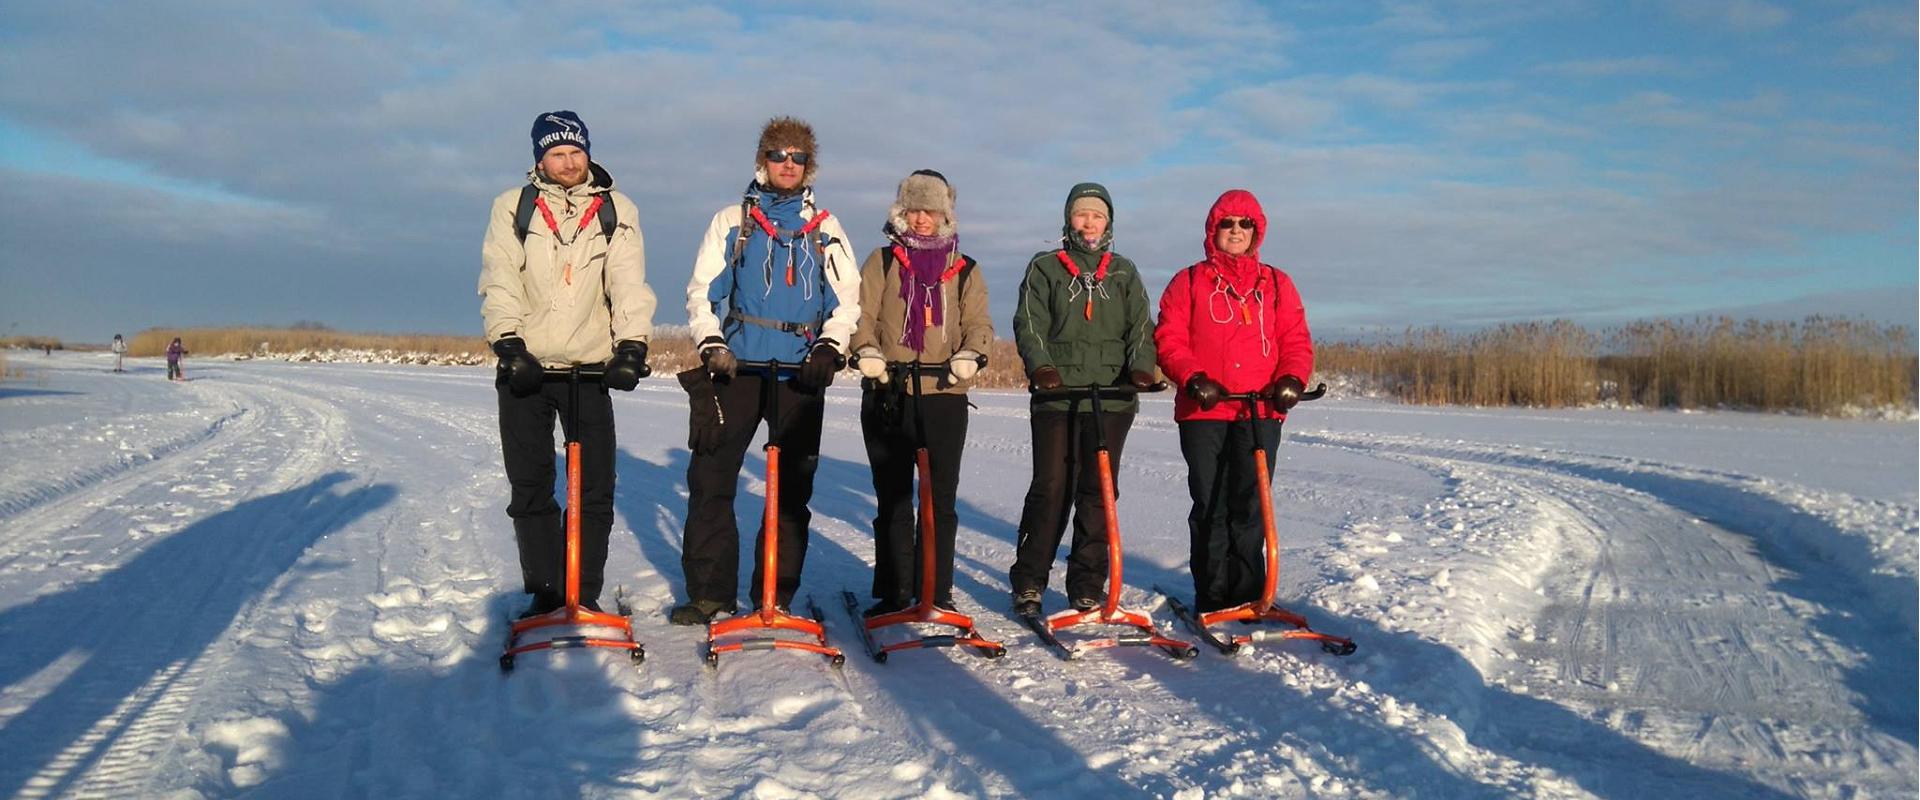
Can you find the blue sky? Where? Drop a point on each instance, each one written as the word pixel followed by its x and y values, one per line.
pixel 1457 164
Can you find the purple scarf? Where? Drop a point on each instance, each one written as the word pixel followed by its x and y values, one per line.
pixel 920 284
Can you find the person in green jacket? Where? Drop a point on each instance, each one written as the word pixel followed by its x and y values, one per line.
pixel 1082 318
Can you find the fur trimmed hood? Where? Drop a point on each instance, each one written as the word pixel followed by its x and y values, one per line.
pixel 924 190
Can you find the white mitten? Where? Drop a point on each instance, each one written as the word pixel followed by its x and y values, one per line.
pixel 871 365
pixel 964 365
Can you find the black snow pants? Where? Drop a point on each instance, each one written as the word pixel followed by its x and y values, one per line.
pixel 710 552
pixel 1066 476
pixel 1228 540
pixel 539 526
pixel 887 425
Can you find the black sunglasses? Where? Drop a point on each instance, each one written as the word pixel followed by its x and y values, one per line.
pixel 781 156
pixel 1242 223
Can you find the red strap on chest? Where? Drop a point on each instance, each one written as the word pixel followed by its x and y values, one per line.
pixel 593 209
pixel 900 257
pixel 773 232
pixel 1099 274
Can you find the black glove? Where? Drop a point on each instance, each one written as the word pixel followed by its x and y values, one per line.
pixel 523 371
pixel 628 366
pixel 704 417
pixel 1207 391
pixel 717 357
pixel 1284 394
pixel 822 363
pixel 1141 379
pixel 1046 379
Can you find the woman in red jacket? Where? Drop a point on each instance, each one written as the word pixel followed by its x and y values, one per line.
pixel 1231 324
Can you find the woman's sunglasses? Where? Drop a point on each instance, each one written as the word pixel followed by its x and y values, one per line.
pixel 781 156
pixel 1242 223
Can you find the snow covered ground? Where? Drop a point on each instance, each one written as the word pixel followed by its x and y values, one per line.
pixel 284 580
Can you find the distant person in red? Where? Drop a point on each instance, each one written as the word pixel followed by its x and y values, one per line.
pixel 176 351
pixel 1230 325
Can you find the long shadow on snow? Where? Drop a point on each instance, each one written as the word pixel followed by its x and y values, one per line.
pixel 10 392
pixel 546 730
pixel 943 701
pixel 161 610
pixel 1528 730
pixel 653 499
pixel 1439 680
pixel 1803 549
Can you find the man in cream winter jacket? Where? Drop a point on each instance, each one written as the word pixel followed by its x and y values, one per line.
pixel 562 288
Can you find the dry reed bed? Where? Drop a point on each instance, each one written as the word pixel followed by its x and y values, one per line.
pixel 1820 365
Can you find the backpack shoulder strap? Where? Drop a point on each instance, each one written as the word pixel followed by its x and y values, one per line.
pixel 609 219
pixel 523 213
pixel 740 239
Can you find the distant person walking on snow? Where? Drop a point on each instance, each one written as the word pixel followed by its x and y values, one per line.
pixel 175 352
pixel 1231 325
pixel 119 354
pixel 774 280
pixel 1083 318
pixel 563 279
pixel 920 300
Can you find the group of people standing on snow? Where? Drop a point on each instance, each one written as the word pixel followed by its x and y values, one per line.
pixel 775 282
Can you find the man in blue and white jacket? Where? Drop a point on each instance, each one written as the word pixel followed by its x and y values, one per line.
pixel 775 280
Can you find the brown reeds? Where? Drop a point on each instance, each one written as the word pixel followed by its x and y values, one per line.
pixel 267 341
pixel 670 351
pixel 1821 365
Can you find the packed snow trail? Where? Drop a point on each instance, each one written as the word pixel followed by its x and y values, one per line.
pixel 293 581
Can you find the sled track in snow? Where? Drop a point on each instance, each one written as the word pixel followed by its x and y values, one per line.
pixel 32 496
pixel 1676 604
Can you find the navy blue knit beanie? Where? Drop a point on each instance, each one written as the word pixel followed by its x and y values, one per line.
pixel 556 128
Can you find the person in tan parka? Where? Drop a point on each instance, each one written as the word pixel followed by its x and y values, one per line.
pixel 561 289
pixel 921 300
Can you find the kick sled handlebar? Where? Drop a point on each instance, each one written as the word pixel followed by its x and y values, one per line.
pixel 778 367
pixel 909 366
pixel 1318 391
pixel 1120 389
pixel 585 373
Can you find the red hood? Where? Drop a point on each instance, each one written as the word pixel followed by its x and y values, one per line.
pixel 1236 203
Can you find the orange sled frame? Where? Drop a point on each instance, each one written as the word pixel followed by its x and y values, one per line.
pixel 924 611
pixel 757 628
pixel 1263 609
pixel 1144 634
pixel 573 614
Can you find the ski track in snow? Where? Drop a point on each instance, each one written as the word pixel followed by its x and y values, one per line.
pixel 294 581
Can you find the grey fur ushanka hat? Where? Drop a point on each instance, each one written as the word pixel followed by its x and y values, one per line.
pixel 924 190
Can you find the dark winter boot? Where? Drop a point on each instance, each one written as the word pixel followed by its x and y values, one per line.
pixel 885 607
pixel 698 612
pixel 1026 602
pixel 543 603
